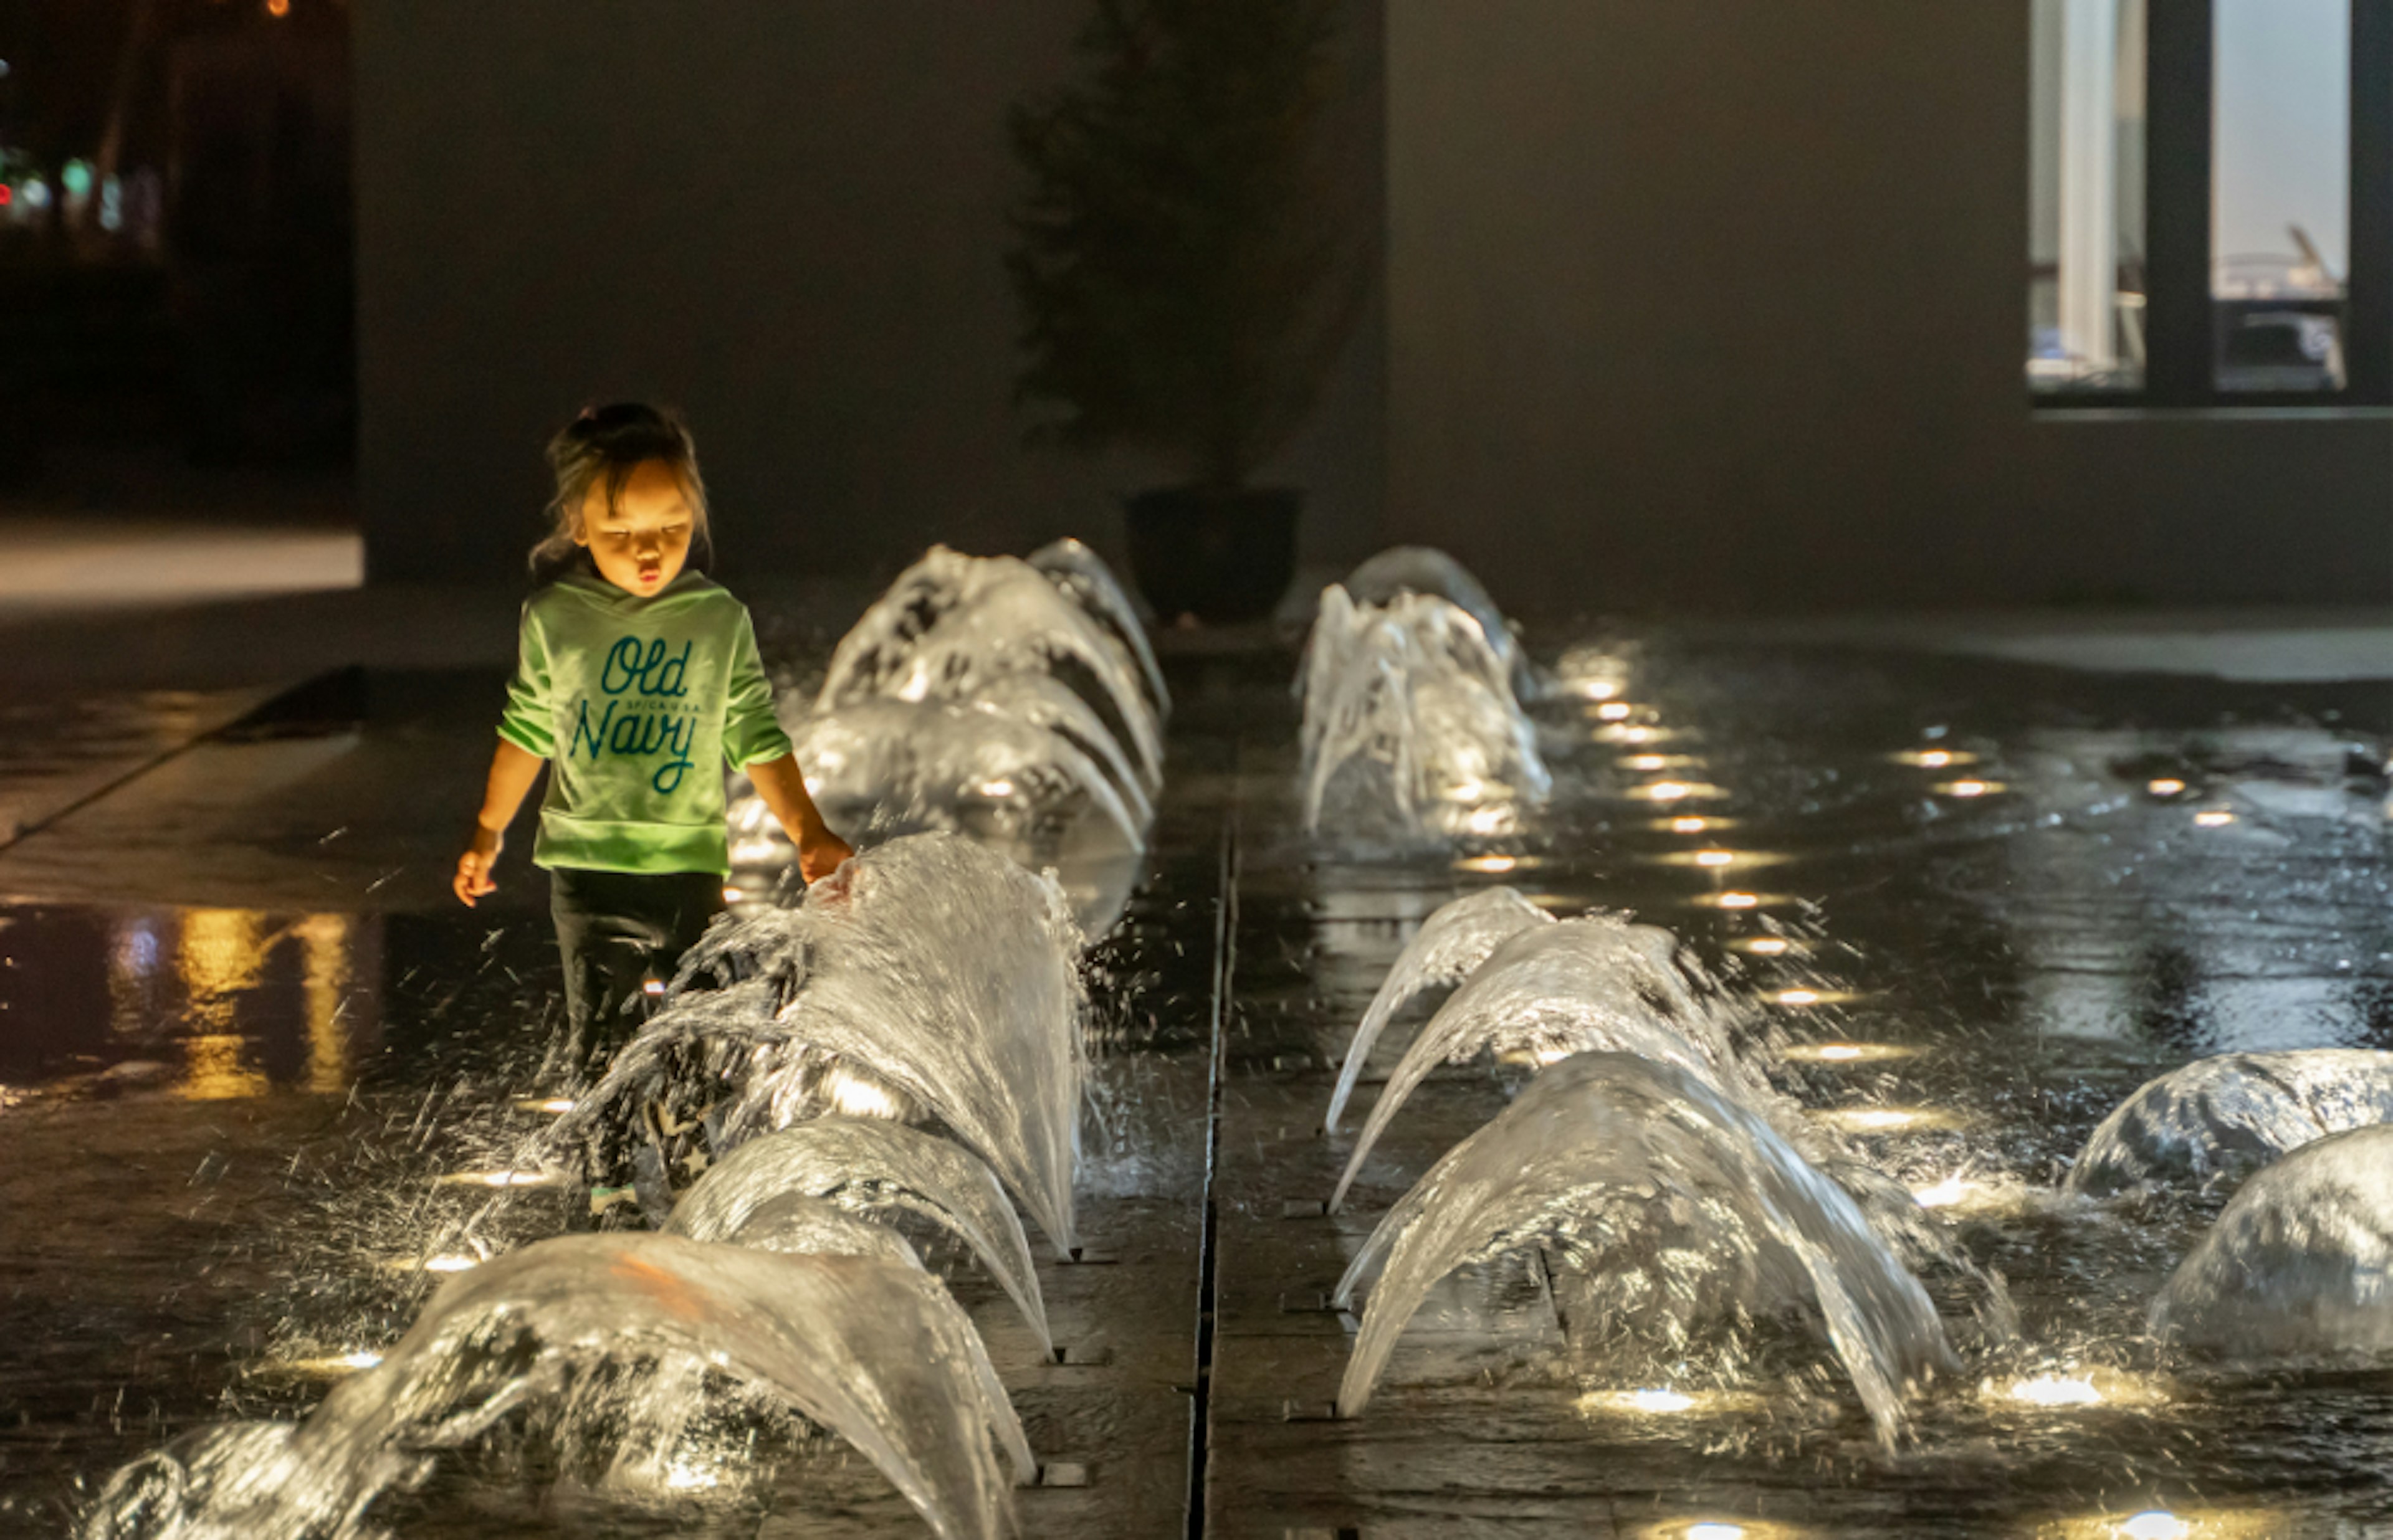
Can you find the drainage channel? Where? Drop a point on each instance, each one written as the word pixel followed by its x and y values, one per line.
pixel 1225 942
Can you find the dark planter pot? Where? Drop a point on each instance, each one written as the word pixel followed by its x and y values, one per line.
pixel 1223 556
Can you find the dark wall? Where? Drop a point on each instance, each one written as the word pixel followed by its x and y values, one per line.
pixel 786 216
pixel 1720 304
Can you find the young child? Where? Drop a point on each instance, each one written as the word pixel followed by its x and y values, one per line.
pixel 637 679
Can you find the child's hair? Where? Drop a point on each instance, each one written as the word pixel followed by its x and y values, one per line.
pixel 599 448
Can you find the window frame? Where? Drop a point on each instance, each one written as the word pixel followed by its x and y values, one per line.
pixel 2180 340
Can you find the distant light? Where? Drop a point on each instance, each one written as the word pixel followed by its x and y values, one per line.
pixel 1884 1119
pixel 999 788
pixel 1690 825
pixel 504 1179
pixel 1494 819
pixel 1714 857
pixel 75 178
pixel 1490 864
pixel 450 1261
pixel 4 69
pixel 1615 711
pixel 860 1098
pixel 1945 1195
pixel 1637 734
pixel 341 1364
pixel 1934 759
pixel 1469 790
pixel 1766 946
pixel 1661 1400
pixel 2214 818
pixel 1738 900
pixel 7 195
pixel 653 987
pixel 1969 788
pixel 2155 1524
pixel 1847 1054
pixel 1594 689
pixel 2062 1390
pixel 37 194
pixel 548 1104
pixel 1800 997
pixel 732 895
pixel 680 1476
pixel 1714 1532
pixel 1658 1401
pixel 2165 786
pixel 1667 792
pixel 278 8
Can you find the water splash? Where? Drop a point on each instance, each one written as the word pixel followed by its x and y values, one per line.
pixel 952 623
pixel 1016 703
pixel 874 1350
pixel 1685 1204
pixel 933 977
pixel 864 1166
pixel 1016 784
pixel 1593 983
pixel 2219 1117
pixel 2300 1263
pixel 1415 697
pixel 1450 945
pixel 1083 577
pixel 800 1225
pixel 1425 570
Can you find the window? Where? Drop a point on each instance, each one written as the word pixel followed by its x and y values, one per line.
pixel 2086 285
pixel 2280 192
pixel 2211 209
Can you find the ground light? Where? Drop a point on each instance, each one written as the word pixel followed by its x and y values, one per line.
pixel 1847 1054
pixel 1497 865
pixel 504 1179
pixel 335 1365
pixel 1667 1401
pixel 1887 1120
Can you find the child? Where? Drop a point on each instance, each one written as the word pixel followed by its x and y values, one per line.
pixel 636 678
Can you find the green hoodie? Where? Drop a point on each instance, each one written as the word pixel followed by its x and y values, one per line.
pixel 633 702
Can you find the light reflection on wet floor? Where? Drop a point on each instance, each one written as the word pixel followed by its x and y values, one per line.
pixel 203 1004
pixel 2023 955
pixel 1994 914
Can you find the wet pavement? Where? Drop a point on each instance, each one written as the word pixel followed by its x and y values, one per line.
pixel 244 1032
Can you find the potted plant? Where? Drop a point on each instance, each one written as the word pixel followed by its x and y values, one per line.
pixel 1186 276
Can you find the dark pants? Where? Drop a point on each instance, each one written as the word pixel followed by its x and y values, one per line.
pixel 615 930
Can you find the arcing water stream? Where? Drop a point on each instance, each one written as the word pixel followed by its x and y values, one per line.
pixel 1844 1120
pixel 1697 1189
pixel 934 979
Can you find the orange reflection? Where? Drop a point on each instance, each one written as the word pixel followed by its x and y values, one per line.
pixel 325 940
pixel 216 1072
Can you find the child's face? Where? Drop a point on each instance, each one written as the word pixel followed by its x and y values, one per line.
pixel 640 543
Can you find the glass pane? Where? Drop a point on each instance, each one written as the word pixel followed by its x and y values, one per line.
pixel 2085 232
pixel 2280 195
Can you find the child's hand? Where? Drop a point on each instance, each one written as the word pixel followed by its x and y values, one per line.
pixel 474 866
pixel 821 855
